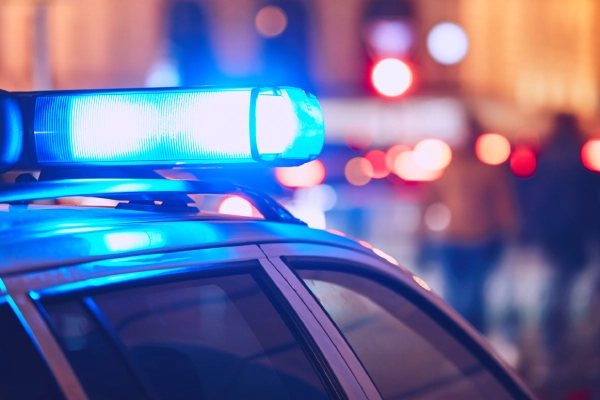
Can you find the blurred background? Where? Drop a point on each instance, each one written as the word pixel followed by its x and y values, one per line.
pixel 462 137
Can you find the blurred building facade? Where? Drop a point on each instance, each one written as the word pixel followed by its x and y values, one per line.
pixel 536 55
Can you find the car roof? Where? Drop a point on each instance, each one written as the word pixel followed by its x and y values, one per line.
pixel 35 237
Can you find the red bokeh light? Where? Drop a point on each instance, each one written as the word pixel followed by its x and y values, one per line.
pixel 306 175
pixel 377 158
pixel 492 148
pixel 391 77
pixel 590 155
pixel 523 162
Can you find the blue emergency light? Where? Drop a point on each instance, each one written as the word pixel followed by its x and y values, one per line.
pixel 194 126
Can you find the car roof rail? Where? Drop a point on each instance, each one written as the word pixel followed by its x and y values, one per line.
pixel 142 189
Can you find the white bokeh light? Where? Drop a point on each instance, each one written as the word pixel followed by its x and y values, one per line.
pixel 390 38
pixel 391 77
pixel 235 205
pixel 447 43
pixel 437 217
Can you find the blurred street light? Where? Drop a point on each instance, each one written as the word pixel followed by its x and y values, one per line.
pixel 391 77
pixel 590 155
pixel 447 43
pixel 432 154
pixel 270 21
pixel 523 162
pixel 492 148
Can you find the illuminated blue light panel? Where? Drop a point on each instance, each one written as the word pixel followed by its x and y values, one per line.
pixel 289 125
pixel 198 126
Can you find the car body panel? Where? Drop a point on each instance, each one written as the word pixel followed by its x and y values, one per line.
pixel 74 237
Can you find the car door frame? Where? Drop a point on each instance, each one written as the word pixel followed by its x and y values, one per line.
pixel 373 264
pixel 25 291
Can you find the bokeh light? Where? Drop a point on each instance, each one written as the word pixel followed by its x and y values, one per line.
pixel 322 197
pixel 437 217
pixel 392 153
pixel 523 162
pixel 358 171
pixel 447 43
pixel 432 154
pixel 391 77
pixel 235 205
pixel 270 21
pixel 306 175
pixel 492 148
pixel 590 155
pixel 377 158
pixel 407 168
pixel 390 37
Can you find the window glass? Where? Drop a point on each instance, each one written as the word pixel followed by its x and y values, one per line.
pixel 23 373
pixel 406 353
pixel 211 338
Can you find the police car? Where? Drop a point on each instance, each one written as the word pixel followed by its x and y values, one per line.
pixel 156 298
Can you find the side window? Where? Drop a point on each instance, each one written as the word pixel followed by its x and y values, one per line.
pixel 407 354
pixel 218 337
pixel 23 373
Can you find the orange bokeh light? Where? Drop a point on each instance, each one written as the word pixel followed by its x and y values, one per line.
pixel 377 158
pixel 492 148
pixel 523 162
pixel 358 171
pixel 270 21
pixel 432 154
pixel 406 167
pixel 394 152
pixel 590 155
pixel 306 175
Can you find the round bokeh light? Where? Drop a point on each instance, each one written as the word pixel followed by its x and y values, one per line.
pixel 391 77
pixel 270 21
pixel 377 158
pixel 358 171
pixel 492 148
pixel 590 155
pixel 523 162
pixel 432 154
pixel 447 43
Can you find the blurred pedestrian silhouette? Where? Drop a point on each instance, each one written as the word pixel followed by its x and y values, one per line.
pixel 479 200
pixel 563 202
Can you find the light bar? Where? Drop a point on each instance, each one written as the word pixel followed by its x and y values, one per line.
pixel 275 125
